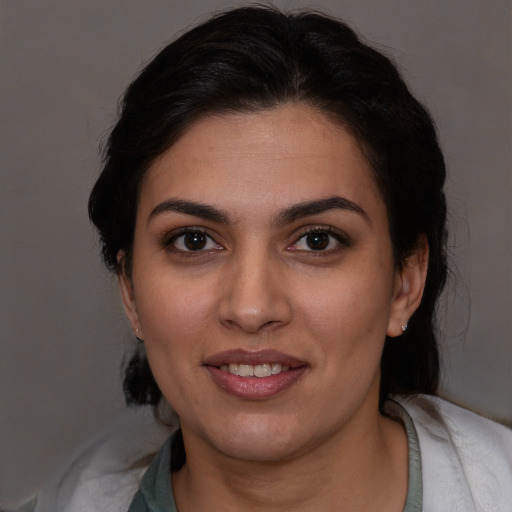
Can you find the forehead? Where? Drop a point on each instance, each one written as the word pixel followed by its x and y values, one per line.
pixel 263 160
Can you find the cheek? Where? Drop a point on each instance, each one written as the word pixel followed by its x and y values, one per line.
pixel 348 314
pixel 174 316
pixel 168 303
pixel 342 304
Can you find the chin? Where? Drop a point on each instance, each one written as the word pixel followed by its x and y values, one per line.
pixel 258 441
pixel 258 450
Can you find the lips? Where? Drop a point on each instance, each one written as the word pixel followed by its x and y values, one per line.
pixel 253 358
pixel 254 375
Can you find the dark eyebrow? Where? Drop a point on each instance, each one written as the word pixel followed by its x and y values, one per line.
pixel 190 208
pixel 318 206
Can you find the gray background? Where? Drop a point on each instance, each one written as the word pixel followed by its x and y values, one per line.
pixel 63 66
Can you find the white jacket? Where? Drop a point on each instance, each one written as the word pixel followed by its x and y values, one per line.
pixel 466 460
pixel 466 463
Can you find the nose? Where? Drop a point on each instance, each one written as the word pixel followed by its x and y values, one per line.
pixel 254 297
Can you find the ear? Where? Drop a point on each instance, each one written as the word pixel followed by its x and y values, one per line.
pixel 127 294
pixel 409 286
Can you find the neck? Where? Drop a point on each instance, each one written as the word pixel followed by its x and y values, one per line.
pixel 362 469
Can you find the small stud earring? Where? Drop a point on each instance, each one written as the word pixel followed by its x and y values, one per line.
pixel 403 327
pixel 137 331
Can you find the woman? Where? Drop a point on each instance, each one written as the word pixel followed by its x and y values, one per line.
pixel 272 202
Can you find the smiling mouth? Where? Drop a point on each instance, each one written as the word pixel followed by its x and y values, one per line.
pixel 254 375
pixel 257 370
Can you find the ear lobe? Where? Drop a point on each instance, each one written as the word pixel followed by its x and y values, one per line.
pixel 127 295
pixel 409 286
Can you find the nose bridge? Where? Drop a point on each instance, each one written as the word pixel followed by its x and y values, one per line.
pixel 254 298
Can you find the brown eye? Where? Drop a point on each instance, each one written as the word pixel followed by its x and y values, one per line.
pixel 195 241
pixel 320 240
pixel 317 241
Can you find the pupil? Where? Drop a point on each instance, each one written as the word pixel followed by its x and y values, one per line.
pixel 195 241
pixel 317 241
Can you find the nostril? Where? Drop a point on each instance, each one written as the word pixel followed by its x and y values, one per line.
pixel 257 322
pixel 269 324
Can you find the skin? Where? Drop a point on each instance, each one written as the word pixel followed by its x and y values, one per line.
pixel 321 443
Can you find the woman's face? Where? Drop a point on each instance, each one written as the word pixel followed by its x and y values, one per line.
pixel 262 247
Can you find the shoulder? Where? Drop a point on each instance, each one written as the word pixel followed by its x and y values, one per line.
pixel 466 458
pixel 105 474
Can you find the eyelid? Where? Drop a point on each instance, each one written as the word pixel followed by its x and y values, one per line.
pixel 168 239
pixel 341 237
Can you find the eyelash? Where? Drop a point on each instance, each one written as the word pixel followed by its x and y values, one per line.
pixel 341 238
pixel 169 242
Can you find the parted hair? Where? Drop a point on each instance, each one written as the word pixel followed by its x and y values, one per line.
pixel 256 58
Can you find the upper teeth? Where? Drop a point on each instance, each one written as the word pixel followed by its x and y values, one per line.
pixel 257 370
